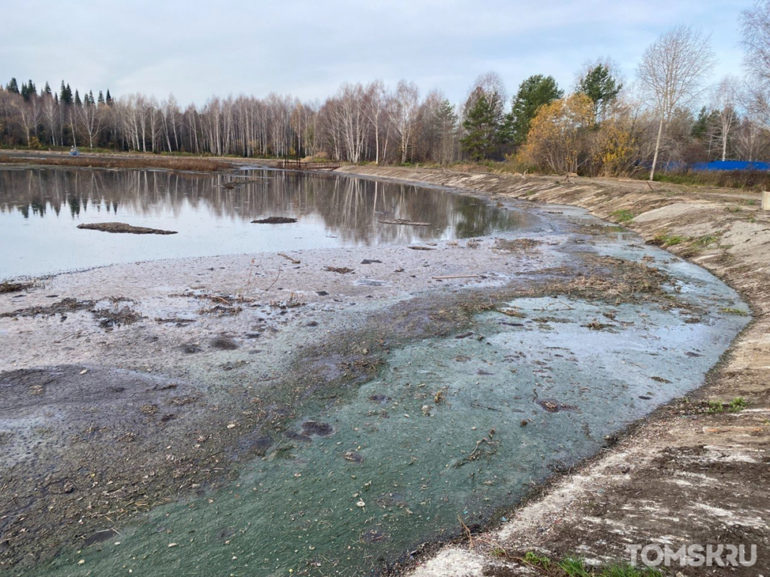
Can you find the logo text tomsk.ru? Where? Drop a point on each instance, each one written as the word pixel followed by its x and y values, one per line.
pixel 694 555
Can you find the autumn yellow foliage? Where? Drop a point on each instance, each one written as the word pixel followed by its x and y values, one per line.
pixel 560 136
pixel 615 148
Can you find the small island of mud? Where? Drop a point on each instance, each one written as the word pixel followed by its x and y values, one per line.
pixel 120 227
pixel 274 220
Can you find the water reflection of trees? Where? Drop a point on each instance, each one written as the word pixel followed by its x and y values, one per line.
pixel 350 208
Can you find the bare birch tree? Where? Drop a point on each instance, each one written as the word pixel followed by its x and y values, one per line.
pixel 374 109
pixel 672 72
pixel 756 40
pixel 406 99
pixel 351 118
pixel 29 115
pixel 90 121
pixel 51 115
pixel 725 101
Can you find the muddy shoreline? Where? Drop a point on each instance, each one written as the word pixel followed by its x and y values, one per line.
pixel 698 476
pixel 200 335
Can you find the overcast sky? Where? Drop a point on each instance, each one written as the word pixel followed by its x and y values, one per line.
pixel 196 49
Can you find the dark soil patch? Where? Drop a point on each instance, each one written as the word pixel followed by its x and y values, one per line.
pixel 99 537
pixel 107 318
pixel 318 429
pixel 224 344
pixel 254 443
pixel 64 306
pixel 294 436
pixel 339 270
pixel 223 304
pixel 518 244
pixel 105 436
pixel 615 280
pixel 115 318
pixel 120 227
pixel 14 287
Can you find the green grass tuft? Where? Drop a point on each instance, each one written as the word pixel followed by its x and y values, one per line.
pixel 662 239
pixel 539 561
pixel 706 240
pixel 574 567
pixel 737 405
pixel 734 406
pixel 629 571
pixel 737 312
pixel 623 215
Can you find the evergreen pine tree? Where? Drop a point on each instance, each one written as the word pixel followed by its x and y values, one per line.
pixel 101 97
pixel 481 124
pixel 108 98
pixel 446 117
pixel 65 95
pixel 78 102
pixel 601 87
pixel 47 89
pixel 13 86
pixel 706 120
pixel 28 90
pixel 533 93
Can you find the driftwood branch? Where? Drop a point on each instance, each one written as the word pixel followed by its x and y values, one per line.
pixel 287 257
pixel 453 276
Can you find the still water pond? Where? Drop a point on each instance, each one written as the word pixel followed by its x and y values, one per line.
pixel 41 208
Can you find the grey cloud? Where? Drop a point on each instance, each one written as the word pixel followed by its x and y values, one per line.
pixel 196 49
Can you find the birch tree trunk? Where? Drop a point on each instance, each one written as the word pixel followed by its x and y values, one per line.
pixel 657 149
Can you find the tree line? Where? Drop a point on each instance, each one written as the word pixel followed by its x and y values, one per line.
pixel 667 116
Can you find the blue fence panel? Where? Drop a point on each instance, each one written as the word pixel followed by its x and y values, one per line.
pixel 729 165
